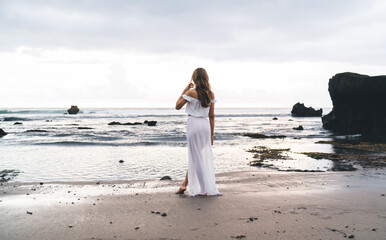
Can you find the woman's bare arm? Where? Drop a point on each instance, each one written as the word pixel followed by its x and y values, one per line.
pixel 181 101
pixel 211 121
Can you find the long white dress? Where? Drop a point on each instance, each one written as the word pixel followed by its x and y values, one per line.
pixel 201 177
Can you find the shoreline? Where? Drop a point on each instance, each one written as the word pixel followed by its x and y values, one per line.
pixel 262 204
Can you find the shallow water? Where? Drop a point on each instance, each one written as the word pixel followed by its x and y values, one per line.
pixel 66 153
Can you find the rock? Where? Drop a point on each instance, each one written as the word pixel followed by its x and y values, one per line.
pixel 150 123
pixel 165 178
pixel 36 130
pixel 121 161
pixel 299 110
pixel 12 119
pixel 298 128
pixel 73 110
pixel 163 214
pixel 134 123
pixel 30 213
pixel 275 118
pixel 17 123
pixel 258 135
pixel 128 123
pixel 85 128
pixel 2 133
pixel 358 105
pixel 114 123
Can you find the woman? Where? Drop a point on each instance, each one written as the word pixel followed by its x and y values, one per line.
pixel 200 178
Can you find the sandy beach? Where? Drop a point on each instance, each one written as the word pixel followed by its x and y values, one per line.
pixel 256 204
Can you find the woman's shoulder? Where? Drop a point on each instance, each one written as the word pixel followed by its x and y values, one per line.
pixel 211 94
pixel 192 93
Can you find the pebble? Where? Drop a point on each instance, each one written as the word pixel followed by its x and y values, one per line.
pixel 29 213
pixel 136 228
pixel 163 214
pixel 351 236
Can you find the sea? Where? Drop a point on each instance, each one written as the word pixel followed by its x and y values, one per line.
pixel 84 147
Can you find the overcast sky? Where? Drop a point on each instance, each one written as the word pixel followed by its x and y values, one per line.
pixel 142 53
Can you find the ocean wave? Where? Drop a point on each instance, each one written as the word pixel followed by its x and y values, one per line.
pixel 10 119
pixel 33 111
pixel 94 143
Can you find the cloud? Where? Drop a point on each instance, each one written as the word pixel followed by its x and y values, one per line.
pixel 271 30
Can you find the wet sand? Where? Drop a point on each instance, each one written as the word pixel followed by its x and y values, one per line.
pixel 256 204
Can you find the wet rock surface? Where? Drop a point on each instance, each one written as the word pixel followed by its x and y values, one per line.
pixel 73 109
pixel 299 110
pixel 8 174
pixel 262 153
pixel 128 123
pixel 36 130
pixel 259 135
pixel 358 104
pixel 12 119
pixel 165 178
pixel 2 132
pixel 298 128
pixel 150 123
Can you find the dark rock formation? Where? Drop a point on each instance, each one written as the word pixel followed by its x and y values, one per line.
pixel 259 135
pixel 298 128
pixel 128 123
pixel 114 123
pixel 73 110
pixel 121 161
pixel 17 123
pixel 36 130
pixel 84 128
pixel 12 119
pixel 150 123
pixel 275 118
pixel 359 104
pixel 2 133
pixel 165 178
pixel 299 110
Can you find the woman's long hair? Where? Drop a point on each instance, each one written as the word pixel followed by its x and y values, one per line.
pixel 201 80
